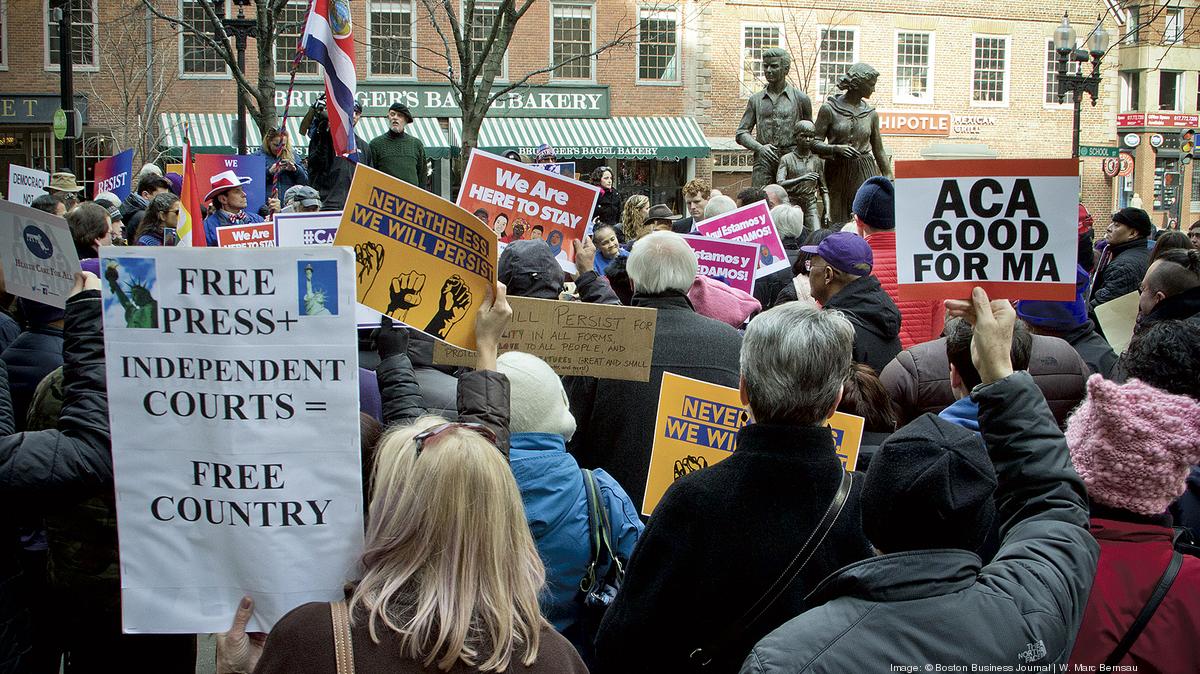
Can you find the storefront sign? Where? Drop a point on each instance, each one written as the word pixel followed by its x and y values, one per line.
pixel 438 100
pixel 1111 166
pixel 914 123
pixel 1130 119
pixel 1131 140
pixel 1156 140
pixel 35 109
pixel 1126 168
pixel 1170 120
pixel 971 125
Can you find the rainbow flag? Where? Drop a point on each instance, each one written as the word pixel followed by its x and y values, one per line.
pixel 190 229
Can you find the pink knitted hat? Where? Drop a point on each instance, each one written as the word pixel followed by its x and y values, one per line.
pixel 1133 444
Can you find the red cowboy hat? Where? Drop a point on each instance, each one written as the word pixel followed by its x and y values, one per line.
pixel 226 180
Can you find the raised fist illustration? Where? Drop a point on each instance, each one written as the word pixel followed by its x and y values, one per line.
pixel 369 259
pixel 406 292
pixel 455 301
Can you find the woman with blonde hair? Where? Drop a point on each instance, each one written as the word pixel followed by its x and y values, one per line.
pixel 633 218
pixel 281 162
pixel 451 574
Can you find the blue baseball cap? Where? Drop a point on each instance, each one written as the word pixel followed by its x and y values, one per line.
pixel 845 252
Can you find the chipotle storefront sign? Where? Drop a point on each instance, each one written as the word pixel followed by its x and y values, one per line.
pixel 914 123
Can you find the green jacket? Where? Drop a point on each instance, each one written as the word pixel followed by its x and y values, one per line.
pixel 401 156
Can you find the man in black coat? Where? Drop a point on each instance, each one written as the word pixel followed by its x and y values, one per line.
pixel 840 276
pixel 721 536
pixel 1123 262
pixel 35 353
pixel 45 467
pixel 616 418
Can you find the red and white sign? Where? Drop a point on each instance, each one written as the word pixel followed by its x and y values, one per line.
pixel 1007 225
pixel 1130 119
pixel 1170 120
pixel 1111 166
pixel 252 235
pixel 914 123
pixel 1126 168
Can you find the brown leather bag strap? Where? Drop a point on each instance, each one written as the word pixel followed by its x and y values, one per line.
pixel 343 645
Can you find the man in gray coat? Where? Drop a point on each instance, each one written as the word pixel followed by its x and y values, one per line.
pixel 926 600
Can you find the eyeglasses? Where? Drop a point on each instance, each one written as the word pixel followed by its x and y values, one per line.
pixel 432 434
pixel 809 265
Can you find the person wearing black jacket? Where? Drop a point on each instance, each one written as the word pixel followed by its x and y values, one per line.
pixel 327 172
pixel 1171 289
pixel 1124 260
pixel 608 205
pixel 841 279
pixel 41 468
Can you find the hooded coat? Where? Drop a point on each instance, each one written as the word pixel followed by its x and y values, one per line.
pixel 1179 307
pixel 875 318
pixel 1119 272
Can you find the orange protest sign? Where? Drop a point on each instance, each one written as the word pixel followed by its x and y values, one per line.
pixel 697 426
pixel 521 201
pixel 420 259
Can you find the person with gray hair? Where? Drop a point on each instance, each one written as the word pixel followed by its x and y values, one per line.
pixel 776 195
pixel 719 537
pixel 719 204
pixel 771 116
pixel 615 418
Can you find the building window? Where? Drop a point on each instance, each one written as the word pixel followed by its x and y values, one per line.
pixel 196 57
pixel 1052 76
pixel 484 17
pixel 571 38
pixel 1166 172
pixel 914 67
pixel 658 45
pixel 1131 90
pixel 990 82
pixel 290 26
pixel 1194 207
pixel 756 40
pixel 1168 90
pixel 839 49
pixel 1133 27
pixel 391 39
pixel 1173 29
pixel 83 35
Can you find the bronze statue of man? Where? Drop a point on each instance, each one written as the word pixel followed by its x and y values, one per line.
pixel 769 123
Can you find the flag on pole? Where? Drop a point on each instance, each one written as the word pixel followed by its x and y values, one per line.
pixel 190 228
pixel 327 40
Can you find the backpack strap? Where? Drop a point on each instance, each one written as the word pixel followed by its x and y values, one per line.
pixel 343 645
pixel 588 582
pixel 1156 597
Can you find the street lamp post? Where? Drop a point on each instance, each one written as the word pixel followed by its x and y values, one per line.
pixel 1078 83
pixel 240 28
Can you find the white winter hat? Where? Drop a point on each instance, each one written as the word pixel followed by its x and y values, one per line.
pixel 538 402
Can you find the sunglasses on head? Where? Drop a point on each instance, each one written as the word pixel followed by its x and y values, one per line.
pixel 425 437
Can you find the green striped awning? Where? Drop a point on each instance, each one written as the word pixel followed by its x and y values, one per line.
pixel 215 132
pixel 616 137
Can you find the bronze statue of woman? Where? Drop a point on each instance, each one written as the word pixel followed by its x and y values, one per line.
pixel 848 136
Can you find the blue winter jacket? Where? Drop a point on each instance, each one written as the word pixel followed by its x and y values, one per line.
pixel 552 489
pixel 964 412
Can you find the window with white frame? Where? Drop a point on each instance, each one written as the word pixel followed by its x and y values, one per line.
pixel 989 84
pixel 484 17
pixel 658 45
pixel 755 40
pixel 914 67
pixel 83 35
pixel 289 27
pixel 838 49
pixel 197 57
pixel 391 39
pixel 571 38
pixel 1133 26
pixel 1131 90
pixel 3 34
pixel 1168 89
pixel 1173 29
pixel 1051 97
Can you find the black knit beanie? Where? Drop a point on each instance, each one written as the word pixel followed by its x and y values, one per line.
pixel 930 486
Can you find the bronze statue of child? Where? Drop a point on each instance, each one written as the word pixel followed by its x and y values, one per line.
pixel 802 174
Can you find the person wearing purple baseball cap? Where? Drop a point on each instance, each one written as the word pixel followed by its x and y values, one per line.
pixel 840 275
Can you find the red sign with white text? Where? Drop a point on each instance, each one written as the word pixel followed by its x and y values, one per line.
pixel 252 235
pixel 1170 120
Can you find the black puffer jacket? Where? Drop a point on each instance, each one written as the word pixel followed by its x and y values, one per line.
pixel 1120 272
pixel 608 207
pixel 34 354
pixel 53 467
pixel 875 318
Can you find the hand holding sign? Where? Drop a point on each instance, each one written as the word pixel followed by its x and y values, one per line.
pixel 237 650
pixel 490 323
pixel 991 345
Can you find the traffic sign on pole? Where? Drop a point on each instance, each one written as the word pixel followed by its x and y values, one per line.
pixel 1098 151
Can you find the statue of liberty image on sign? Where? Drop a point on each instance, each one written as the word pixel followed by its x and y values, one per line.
pixel 318 291
pixel 131 282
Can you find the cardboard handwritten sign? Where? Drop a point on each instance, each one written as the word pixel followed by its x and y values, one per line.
pixel 732 261
pixel 522 201
pixel 251 235
pixel 751 224
pixel 574 338
pixel 38 254
pixel 420 259
pixel 1007 225
pixel 233 392
pixel 113 174
pixel 697 426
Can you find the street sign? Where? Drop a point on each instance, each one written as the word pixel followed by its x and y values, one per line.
pixel 1098 151
pixel 60 124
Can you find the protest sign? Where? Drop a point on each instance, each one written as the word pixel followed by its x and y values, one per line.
pixel 731 261
pixel 318 229
pixel 38 254
pixel 26 184
pixel 751 224
pixel 697 426
pixel 562 168
pixel 113 175
pixel 233 394
pixel 1117 319
pixel 1007 225
pixel 420 259
pixel 520 201
pixel 244 166
pixel 574 338
pixel 250 235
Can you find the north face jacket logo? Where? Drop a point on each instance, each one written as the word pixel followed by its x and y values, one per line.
pixel 1033 652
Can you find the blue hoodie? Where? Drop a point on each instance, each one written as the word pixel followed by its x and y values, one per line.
pixel 964 412
pixel 552 490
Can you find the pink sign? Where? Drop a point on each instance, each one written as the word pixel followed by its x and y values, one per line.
pixel 751 224
pixel 728 261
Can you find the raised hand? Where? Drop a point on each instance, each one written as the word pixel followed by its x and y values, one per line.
pixel 406 292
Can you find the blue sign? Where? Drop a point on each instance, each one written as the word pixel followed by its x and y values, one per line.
pixel 114 175
pixel 38 242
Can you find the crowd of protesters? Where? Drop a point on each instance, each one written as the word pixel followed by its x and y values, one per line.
pixel 1023 495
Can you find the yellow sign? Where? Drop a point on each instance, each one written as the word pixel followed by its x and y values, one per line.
pixel 420 259
pixel 697 426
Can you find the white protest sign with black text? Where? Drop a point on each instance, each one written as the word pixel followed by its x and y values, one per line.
pixel 318 229
pixel 26 184
pixel 38 254
pixel 233 394
pixel 1007 225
